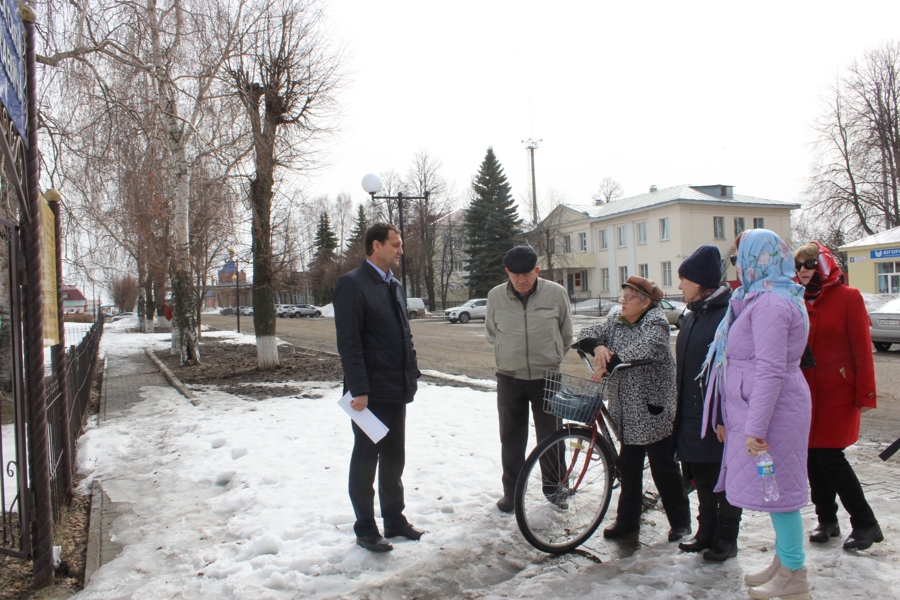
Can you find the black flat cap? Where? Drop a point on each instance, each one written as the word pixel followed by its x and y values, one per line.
pixel 520 259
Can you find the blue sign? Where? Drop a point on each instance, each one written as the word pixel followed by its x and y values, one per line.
pixel 12 64
pixel 885 253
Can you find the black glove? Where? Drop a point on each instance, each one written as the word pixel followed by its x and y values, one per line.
pixel 655 410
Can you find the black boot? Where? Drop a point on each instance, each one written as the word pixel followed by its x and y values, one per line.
pixel 824 531
pixel 721 550
pixel 701 541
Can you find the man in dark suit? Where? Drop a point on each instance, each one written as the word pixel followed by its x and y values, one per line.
pixel 380 372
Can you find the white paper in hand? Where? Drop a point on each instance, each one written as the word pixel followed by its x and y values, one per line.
pixel 365 419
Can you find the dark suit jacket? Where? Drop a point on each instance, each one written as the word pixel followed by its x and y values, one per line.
pixel 373 337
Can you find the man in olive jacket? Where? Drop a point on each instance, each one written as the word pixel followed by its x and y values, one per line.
pixel 380 372
pixel 529 324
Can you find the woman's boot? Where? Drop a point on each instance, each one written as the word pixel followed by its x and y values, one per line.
pixel 764 576
pixel 787 585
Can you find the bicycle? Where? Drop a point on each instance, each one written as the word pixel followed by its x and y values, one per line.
pixel 566 483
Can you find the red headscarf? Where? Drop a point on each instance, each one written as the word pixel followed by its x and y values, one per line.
pixel 828 273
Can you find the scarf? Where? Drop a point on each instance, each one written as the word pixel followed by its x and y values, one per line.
pixel 765 265
pixel 827 274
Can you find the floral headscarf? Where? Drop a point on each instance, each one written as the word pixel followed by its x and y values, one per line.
pixel 828 273
pixel 765 264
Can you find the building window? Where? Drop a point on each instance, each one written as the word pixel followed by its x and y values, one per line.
pixel 738 226
pixel 719 228
pixel 584 281
pixel 604 280
pixel 551 246
pixel 623 275
pixel 889 278
pixel 664 229
pixel 759 223
pixel 621 235
pixel 603 243
pixel 567 244
pixel 578 281
pixel 666 273
pixel 644 270
pixel 641 233
pixel 582 242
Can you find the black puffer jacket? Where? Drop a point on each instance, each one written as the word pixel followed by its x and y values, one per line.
pixel 693 342
pixel 373 337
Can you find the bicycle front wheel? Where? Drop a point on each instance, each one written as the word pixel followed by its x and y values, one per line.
pixel 564 489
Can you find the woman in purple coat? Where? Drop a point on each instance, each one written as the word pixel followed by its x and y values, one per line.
pixel 754 370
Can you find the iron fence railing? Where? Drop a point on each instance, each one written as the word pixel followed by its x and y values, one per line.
pixel 81 361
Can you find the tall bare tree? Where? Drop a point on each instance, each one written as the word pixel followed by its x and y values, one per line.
pixel 856 178
pixel 286 73
pixel 610 190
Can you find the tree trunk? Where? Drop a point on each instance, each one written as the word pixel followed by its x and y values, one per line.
pixel 263 295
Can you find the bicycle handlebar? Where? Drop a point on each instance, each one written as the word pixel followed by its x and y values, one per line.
pixel 622 365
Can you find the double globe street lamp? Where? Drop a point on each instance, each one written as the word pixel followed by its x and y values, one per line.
pixel 372 185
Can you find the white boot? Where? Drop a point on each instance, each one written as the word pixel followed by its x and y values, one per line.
pixel 787 585
pixel 764 576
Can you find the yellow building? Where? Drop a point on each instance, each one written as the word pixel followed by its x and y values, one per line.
pixel 873 263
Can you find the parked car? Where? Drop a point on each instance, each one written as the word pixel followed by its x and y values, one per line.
pixel 121 316
pixel 228 310
pixel 247 311
pixel 415 307
pixel 674 312
pixel 283 310
pixel 304 310
pixel 885 325
pixel 473 309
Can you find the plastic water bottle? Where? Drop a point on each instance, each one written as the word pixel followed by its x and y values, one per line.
pixel 766 469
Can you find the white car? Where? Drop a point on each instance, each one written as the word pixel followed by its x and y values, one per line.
pixel 885 325
pixel 473 309
pixel 121 316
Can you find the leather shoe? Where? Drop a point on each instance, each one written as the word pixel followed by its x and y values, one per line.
pixel 374 543
pixel 823 531
pixel 698 544
pixel 860 539
pixel 407 531
pixel 721 550
pixel 677 533
pixel 506 504
pixel 620 530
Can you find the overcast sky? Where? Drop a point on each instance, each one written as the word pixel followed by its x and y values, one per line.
pixel 660 93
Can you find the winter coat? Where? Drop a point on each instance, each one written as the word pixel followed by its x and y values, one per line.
pixel 843 379
pixel 634 392
pixel 765 396
pixel 696 335
pixel 373 337
pixel 528 341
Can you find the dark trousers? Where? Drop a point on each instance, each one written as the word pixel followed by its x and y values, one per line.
pixel 389 457
pixel 513 399
pixel 715 516
pixel 666 476
pixel 831 476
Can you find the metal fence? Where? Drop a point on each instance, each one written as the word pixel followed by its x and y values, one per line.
pixel 81 362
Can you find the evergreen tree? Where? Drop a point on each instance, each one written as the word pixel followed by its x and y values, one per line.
pixel 358 233
pixel 326 241
pixel 491 227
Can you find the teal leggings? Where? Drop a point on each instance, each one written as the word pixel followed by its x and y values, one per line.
pixel 789 539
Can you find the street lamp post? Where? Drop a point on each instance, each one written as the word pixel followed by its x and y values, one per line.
pixel 372 185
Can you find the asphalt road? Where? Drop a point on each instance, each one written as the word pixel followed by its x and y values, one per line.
pixel 459 349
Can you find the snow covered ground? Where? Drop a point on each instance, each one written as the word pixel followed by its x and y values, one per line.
pixel 248 500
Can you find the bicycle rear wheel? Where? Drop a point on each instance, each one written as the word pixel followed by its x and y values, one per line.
pixel 564 489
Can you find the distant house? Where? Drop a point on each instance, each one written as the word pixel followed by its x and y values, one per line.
pixel 873 263
pixel 592 249
pixel 74 302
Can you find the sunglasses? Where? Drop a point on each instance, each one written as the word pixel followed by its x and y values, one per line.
pixel 810 264
pixel 628 298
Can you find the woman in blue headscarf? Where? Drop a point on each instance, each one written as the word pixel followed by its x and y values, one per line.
pixel 753 367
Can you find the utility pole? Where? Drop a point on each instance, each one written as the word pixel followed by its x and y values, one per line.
pixel 531 145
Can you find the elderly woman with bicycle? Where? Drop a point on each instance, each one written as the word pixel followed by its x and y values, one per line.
pixel 642 406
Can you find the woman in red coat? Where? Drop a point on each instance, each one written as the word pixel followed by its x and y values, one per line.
pixel 842 385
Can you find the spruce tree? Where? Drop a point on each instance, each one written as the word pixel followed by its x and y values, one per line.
pixel 326 241
pixel 358 233
pixel 491 227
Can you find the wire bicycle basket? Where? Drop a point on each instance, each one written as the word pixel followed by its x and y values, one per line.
pixel 572 398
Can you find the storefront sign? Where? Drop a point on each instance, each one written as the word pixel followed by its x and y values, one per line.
pixel 859 258
pixel 885 253
pixel 12 64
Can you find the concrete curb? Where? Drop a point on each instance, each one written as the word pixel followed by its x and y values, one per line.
pixel 173 381
pixel 92 560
